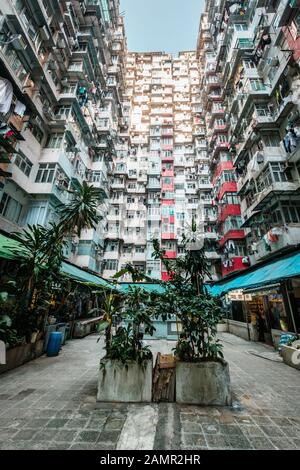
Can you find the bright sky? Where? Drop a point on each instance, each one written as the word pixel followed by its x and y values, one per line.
pixel 162 25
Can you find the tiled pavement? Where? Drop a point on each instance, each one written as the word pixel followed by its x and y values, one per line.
pixel 50 403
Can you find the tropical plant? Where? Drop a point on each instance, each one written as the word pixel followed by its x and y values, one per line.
pixel 8 310
pixel 125 346
pixel 186 297
pixel 130 309
pixel 110 308
pixel 81 212
pixel 40 252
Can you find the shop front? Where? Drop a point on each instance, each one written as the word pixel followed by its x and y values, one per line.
pixel 264 314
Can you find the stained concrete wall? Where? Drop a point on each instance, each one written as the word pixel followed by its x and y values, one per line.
pixel 203 383
pixel 129 382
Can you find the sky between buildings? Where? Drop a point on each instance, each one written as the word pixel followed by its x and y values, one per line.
pixel 162 25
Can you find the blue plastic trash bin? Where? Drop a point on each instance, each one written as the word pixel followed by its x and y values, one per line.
pixel 54 343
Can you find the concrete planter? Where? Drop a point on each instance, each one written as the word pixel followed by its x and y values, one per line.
pixel 291 356
pixel 222 327
pixel 130 383
pixel 203 383
pixel 17 356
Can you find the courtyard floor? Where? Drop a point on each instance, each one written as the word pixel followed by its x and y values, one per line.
pixel 50 403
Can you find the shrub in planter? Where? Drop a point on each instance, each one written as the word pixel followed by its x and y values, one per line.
pixel 126 371
pixel 202 375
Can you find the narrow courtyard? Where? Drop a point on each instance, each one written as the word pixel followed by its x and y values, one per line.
pixel 50 403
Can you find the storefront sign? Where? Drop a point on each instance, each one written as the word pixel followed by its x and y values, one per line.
pixel 238 295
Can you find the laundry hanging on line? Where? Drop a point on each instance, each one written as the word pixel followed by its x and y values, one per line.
pixel 6 95
pixel 20 108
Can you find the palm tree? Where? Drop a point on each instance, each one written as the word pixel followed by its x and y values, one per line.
pixel 81 212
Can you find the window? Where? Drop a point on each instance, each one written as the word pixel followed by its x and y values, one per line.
pixel 257 84
pixel 10 208
pixel 111 264
pixel 230 198
pixel 291 214
pixel 241 27
pixel 45 173
pixel 249 64
pixel 36 215
pixel 22 162
pixel 167 180
pixel 271 139
pixel 37 132
pixel 14 62
pixel 63 112
pixel 97 177
pixel 280 173
pixel 140 249
pixel 232 223
pixel 55 141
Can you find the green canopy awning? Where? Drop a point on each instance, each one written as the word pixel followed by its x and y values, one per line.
pixel 84 276
pixel 9 247
pixel 273 272
pixel 147 286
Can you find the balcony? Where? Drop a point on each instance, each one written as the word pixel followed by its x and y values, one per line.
pixel 290 237
pixel 236 264
pixel 117 185
pixel 228 210
pixel 212 255
pixel 166 147
pixel 220 127
pixel 154 185
pixel 233 234
pixel 169 254
pixel 168 236
pixel 227 187
pixel 262 198
pixel 264 119
pixel 219 146
pixel 204 185
pixel 111 254
pixel 76 70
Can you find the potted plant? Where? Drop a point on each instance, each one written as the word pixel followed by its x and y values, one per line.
pixel 202 374
pixel 125 373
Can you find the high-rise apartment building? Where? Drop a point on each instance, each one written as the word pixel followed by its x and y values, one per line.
pixel 211 135
pixel 161 179
pixel 61 86
pixel 249 56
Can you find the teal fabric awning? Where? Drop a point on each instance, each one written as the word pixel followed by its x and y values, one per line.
pixel 147 286
pixel 275 271
pixel 10 248
pixel 81 275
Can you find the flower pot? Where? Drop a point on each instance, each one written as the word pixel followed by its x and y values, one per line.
pixel 203 383
pixel 129 382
